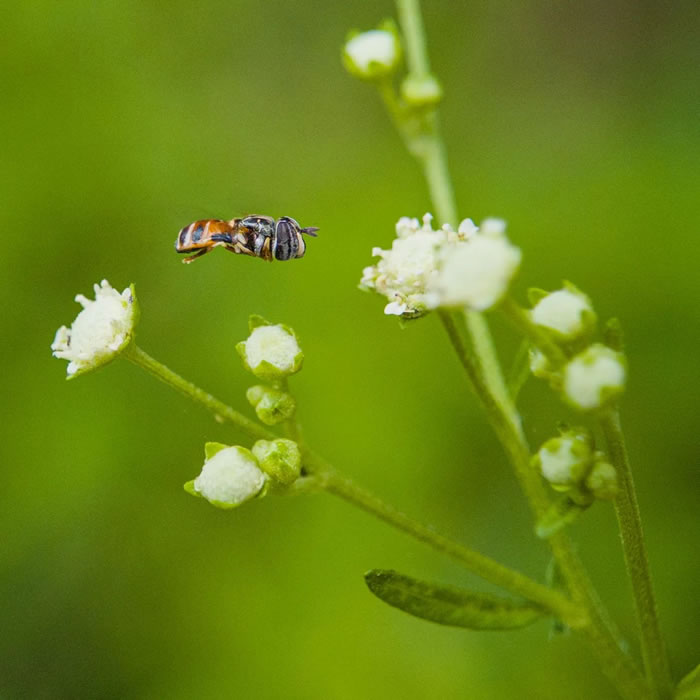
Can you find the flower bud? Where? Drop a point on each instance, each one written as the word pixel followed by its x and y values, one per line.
pixel 594 377
pixel 421 91
pixel 271 352
pixel 100 332
pixel 272 406
pixel 565 461
pixel 566 313
pixel 230 476
pixel 279 459
pixel 374 54
pixel 540 366
pixel 602 480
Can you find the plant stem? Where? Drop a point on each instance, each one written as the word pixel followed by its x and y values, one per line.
pixel 477 563
pixel 218 408
pixel 519 371
pixel 323 476
pixel 524 324
pixel 476 353
pixel 636 560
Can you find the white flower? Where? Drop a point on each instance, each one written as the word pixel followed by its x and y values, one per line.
pixel 403 272
pixel 477 272
pixel 100 331
pixel 566 311
pixel 493 227
pixel 229 477
pixel 270 351
pixel 426 268
pixel 372 54
pixel 594 377
pixel 565 460
pixel 467 229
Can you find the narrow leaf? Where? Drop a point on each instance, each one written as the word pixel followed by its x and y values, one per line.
pixel 689 687
pixel 448 605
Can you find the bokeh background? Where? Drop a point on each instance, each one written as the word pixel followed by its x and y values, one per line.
pixel 124 120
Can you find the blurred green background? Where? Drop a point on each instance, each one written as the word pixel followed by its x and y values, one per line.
pixel 121 122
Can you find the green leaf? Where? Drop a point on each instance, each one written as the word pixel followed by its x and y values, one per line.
pixel 689 687
pixel 559 514
pixel 448 605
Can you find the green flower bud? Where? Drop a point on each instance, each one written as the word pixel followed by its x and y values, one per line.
pixel 271 352
pixel 565 461
pixel 230 476
pixel 602 480
pixel 280 459
pixel 421 91
pixel 540 366
pixel 272 406
pixel 375 54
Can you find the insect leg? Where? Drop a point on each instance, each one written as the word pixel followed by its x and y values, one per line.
pixel 198 254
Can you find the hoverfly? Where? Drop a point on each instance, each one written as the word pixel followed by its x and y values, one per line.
pixel 259 236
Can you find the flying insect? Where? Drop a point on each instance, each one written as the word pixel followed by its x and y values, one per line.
pixel 255 235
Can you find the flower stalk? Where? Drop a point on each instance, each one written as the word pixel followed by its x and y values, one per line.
pixel 483 370
pixel 327 478
pixel 220 410
pixel 636 560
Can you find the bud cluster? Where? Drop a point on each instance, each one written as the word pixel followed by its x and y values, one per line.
pixel 272 353
pixel 572 465
pixel 232 475
pixel 593 375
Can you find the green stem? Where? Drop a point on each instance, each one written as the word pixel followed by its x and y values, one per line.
pixel 636 560
pixel 477 563
pixel 414 36
pixel 476 352
pixel 519 371
pixel 520 318
pixel 218 408
pixel 323 476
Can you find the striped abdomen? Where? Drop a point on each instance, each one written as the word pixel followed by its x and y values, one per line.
pixel 205 233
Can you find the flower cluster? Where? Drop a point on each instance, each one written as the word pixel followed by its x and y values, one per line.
pixel 426 268
pixel 100 332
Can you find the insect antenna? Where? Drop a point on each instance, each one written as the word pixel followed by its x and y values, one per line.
pixel 310 231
